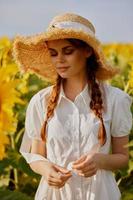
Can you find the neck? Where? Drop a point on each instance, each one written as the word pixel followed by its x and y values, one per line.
pixel 78 81
pixel 73 86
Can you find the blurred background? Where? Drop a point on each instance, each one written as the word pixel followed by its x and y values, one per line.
pixel 114 28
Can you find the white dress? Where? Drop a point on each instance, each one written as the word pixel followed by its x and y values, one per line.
pixel 71 132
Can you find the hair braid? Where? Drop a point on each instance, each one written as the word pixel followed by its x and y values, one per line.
pixel 52 102
pixel 96 105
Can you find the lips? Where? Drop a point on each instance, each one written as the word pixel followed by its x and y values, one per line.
pixel 62 68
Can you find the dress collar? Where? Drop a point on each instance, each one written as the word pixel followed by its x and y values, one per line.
pixel 84 94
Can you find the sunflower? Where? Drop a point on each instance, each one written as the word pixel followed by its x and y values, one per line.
pixel 9 96
pixel 10 93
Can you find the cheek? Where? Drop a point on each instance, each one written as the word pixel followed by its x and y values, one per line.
pixel 53 60
pixel 77 61
pixel 73 59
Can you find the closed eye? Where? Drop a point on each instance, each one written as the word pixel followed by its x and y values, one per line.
pixel 52 52
pixel 68 51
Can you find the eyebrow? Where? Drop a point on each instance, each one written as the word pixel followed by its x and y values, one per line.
pixel 62 48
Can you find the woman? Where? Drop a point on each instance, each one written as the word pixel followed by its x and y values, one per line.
pixel 71 126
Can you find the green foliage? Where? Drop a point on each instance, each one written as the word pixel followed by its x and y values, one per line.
pixel 121 56
pixel 13 195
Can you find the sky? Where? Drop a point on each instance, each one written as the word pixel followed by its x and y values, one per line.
pixel 113 19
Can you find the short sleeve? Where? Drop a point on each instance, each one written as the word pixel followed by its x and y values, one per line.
pixel 33 123
pixel 121 114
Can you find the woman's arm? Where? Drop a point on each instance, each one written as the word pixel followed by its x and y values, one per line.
pixel 88 164
pixel 118 158
pixel 38 147
pixel 48 169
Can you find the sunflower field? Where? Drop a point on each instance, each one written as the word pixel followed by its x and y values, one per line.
pixel 17 180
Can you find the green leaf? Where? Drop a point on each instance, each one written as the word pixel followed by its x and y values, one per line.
pixel 127 194
pixel 13 195
pixel 26 169
pixel 3 165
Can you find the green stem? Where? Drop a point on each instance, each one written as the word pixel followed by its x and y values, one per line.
pixel 14 170
pixel 126 87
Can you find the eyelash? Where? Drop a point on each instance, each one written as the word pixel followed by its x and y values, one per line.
pixel 67 53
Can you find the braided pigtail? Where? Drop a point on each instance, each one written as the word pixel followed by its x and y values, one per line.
pixel 96 104
pixel 52 102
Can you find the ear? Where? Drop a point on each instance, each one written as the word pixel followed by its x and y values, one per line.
pixel 88 52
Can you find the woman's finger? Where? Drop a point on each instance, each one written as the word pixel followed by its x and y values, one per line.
pixel 81 159
pixel 61 169
pixel 89 173
pixel 54 180
pixel 88 168
pixel 65 177
pixel 80 166
pixel 56 185
pixel 55 175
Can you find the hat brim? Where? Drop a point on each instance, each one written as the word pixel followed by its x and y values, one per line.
pixel 31 53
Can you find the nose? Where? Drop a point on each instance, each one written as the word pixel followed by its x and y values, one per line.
pixel 60 58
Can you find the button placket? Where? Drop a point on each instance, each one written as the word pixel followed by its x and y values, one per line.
pixel 78 193
pixel 76 131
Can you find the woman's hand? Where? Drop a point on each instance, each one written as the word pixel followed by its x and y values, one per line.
pixel 55 175
pixel 86 165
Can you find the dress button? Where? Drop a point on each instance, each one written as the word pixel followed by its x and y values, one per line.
pixel 76 111
pixel 78 194
pixel 75 130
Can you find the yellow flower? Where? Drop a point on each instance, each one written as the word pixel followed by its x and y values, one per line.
pixel 3 141
pixel 5 42
pixel 122 52
pixel 11 88
pixel 8 97
pixel 5 47
pixel 131 75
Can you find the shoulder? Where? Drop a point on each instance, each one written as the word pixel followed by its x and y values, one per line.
pixel 41 94
pixel 115 94
pixel 119 104
pixel 39 99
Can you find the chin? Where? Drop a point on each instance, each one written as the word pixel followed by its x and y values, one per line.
pixel 63 75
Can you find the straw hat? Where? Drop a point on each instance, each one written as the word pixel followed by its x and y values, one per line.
pixel 31 52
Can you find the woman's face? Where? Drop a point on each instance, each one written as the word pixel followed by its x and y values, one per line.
pixel 68 60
